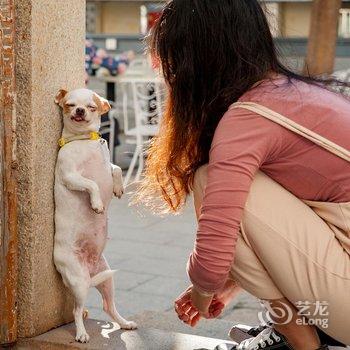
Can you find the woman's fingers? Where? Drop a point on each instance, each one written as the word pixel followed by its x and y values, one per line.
pixel 186 314
pixel 183 318
pixel 183 299
pixel 190 317
pixel 183 308
pixel 215 309
pixel 216 305
pixel 215 313
pixel 192 312
pixel 195 320
pixel 181 304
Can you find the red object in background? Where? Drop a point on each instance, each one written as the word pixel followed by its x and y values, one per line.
pixel 152 17
pixel 153 14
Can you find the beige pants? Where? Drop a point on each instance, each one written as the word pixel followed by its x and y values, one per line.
pixel 285 250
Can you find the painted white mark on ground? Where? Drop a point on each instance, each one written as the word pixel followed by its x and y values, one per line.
pixel 109 328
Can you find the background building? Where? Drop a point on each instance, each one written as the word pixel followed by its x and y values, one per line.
pixel 292 18
pixel 289 18
pixel 119 25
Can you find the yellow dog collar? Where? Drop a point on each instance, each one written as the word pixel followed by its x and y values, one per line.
pixel 94 135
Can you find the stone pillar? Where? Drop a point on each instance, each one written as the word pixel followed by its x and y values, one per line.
pixel 50 38
pixel 8 184
pixel 323 37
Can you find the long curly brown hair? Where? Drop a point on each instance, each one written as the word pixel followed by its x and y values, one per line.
pixel 211 52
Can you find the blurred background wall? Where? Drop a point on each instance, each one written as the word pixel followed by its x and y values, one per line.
pixel 126 21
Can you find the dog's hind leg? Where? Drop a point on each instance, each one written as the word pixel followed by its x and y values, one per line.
pixel 77 279
pixel 80 294
pixel 107 291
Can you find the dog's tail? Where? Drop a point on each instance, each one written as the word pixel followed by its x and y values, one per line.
pixel 101 277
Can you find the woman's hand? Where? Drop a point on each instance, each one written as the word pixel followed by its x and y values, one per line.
pixel 223 297
pixel 191 306
pixel 228 291
pixel 185 309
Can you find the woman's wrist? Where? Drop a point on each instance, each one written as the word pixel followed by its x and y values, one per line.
pixel 201 302
pixel 203 293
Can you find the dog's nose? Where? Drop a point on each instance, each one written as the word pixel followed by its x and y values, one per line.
pixel 80 111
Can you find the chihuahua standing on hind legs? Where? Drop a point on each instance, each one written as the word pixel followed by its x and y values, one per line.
pixel 85 181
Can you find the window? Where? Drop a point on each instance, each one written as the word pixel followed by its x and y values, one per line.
pixel 91 14
pixel 344 23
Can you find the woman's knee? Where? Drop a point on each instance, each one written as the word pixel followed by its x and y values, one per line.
pixel 248 271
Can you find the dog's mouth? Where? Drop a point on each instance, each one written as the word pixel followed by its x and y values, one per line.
pixel 78 118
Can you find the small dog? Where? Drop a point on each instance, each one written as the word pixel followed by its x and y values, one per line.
pixel 85 181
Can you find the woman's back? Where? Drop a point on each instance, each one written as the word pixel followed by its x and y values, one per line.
pixel 305 169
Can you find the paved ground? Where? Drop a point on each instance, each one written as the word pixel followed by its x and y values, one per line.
pixel 105 335
pixel 151 254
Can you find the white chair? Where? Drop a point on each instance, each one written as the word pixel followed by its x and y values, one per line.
pixel 139 67
pixel 138 63
pixel 343 75
pixel 141 123
pixel 108 126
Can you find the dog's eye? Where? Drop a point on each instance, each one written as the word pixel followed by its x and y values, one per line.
pixel 92 108
pixel 70 105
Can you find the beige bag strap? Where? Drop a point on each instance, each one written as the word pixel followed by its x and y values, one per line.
pixel 295 127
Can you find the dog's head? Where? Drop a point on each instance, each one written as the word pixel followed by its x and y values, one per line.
pixel 82 110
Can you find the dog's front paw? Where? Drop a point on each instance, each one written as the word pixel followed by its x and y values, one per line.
pixel 97 206
pixel 82 337
pixel 129 325
pixel 118 190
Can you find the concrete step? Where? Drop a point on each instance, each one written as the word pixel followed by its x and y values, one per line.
pixel 157 331
pixel 108 336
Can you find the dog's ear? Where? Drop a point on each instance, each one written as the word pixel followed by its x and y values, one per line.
pixel 106 107
pixel 60 96
pixel 102 103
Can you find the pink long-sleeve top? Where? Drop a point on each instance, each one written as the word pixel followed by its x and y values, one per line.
pixel 245 142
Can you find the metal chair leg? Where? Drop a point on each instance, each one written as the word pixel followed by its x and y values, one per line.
pixel 131 168
pixel 140 167
pixel 111 139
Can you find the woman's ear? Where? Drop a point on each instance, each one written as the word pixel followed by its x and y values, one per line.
pixel 102 103
pixel 60 96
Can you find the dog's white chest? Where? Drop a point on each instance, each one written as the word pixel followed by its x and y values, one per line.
pixel 90 158
pixel 95 165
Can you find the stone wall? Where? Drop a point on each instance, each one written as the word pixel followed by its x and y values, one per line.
pixel 50 38
pixel 296 17
pixel 120 17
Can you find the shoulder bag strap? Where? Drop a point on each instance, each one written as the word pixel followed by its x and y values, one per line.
pixel 295 127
